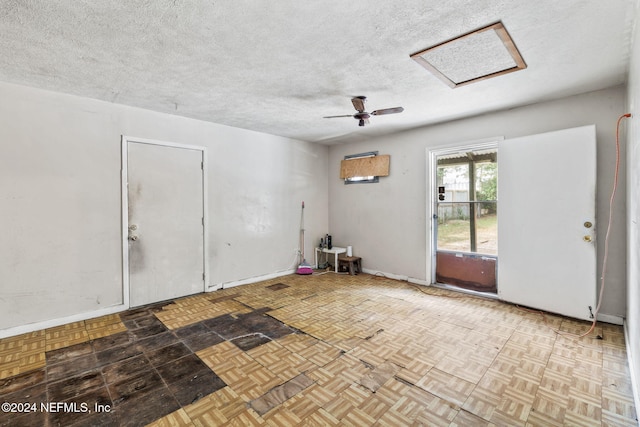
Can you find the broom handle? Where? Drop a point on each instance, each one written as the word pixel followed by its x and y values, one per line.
pixel 302 230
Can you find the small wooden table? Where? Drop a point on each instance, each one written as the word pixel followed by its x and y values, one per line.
pixel 354 264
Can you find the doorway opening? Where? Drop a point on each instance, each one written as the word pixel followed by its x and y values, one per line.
pixel 465 217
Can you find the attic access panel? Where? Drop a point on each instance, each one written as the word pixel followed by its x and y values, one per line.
pixel 471 57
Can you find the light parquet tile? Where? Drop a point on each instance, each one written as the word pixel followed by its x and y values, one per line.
pixel 556 388
pixel 510 412
pixel 618 403
pixel 482 403
pixel 462 365
pixel 357 418
pixel 615 420
pixel 433 358
pixel 446 386
pixel 547 411
pixel 302 406
pixel 320 418
pixel 338 407
pixel 375 406
pixel 466 419
pixel 178 418
pixel 392 418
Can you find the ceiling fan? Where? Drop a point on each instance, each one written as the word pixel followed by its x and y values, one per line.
pixel 362 116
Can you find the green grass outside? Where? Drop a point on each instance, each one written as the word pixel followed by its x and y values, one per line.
pixel 453 234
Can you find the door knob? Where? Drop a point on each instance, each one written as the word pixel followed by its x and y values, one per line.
pixel 587 238
pixel 133 237
pixel 133 227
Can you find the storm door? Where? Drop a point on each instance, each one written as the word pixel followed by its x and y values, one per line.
pixel 466 218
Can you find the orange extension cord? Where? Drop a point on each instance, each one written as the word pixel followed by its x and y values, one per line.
pixel 606 240
pixel 606 246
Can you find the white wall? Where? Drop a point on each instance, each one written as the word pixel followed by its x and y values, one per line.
pixel 386 222
pixel 632 128
pixel 60 201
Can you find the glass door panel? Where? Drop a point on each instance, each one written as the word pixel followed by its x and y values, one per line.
pixel 467 225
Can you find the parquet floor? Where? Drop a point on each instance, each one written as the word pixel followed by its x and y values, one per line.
pixel 322 350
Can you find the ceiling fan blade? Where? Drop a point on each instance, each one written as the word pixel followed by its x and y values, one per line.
pixel 333 117
pixel 387 111
pixel 358 103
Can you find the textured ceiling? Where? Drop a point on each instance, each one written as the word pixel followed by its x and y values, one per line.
pixel 280 66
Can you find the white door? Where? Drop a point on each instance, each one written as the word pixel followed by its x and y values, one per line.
pixel 546 233
pixel 165 229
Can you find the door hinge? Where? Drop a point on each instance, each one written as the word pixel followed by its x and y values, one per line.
pixel 202 220
pixel 203 277
pixel 201 165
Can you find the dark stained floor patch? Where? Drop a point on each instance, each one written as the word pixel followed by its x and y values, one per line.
pixel 202 341
pixel 247 342
pixel 142 374
pixel 116 354
pixel 107 343
pixel 246 324
pixel 21 381
pixel 168 354
pixel 221 324
pixel 81 410
pixel 149 331
pixel 127 368
pixel 195 386
pixel 191 330
pixel 135 387
pixel 71 367
pixel 146 409
pixel 69 353
pixel 267 325
pixel 36 418
pixel 73 387
pixel 157 341
pixel 33 394
pixel 181 368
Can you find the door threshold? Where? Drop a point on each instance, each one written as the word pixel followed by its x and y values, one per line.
pixel 489 295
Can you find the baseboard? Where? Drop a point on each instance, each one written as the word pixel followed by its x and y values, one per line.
pixel 45 324
pixel 51 323
pixel 396 277
pixel 609 318
pixel 418 282
pixel 467 291
pixel 387 275
pixel 632 373
pixel 249 280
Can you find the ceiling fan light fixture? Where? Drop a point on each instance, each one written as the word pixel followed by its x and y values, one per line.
pixel 477 55
pixel 361 115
